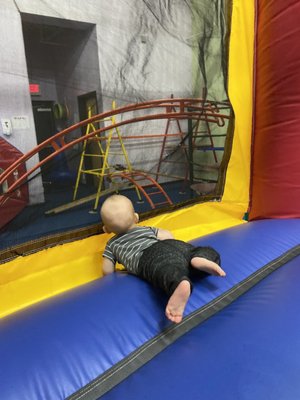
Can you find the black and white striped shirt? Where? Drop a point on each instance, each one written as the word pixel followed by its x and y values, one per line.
pixel 127 248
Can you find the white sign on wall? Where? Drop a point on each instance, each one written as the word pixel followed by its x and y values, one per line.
pixel 6 126
pixel 20 122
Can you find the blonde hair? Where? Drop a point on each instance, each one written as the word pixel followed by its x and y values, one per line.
pixel 117 214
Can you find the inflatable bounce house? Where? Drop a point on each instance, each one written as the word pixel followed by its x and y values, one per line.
pixel 66 332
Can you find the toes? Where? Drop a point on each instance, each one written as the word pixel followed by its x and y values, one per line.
pixel 174 318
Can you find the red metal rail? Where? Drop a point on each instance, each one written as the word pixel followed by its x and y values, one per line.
pixel 161 109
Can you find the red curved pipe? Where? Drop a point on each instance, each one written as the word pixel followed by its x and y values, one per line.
pixel 188 108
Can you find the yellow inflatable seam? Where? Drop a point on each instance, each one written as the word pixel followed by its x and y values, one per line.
pixel 27 280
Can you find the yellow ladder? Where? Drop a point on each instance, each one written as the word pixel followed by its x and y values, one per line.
pixel 105 169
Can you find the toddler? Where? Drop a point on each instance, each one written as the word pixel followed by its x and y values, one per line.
pixel 153 254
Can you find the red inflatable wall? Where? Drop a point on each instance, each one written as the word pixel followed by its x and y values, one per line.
pixel 275 188
pixel 19 198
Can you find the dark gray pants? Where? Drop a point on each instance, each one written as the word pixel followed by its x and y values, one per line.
pixel 166 263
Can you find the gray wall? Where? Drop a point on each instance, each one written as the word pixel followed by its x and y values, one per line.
pixel 126 51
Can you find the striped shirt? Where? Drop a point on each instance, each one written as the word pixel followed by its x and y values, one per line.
pixel 127 248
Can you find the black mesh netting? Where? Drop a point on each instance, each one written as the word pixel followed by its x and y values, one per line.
pixel 154 74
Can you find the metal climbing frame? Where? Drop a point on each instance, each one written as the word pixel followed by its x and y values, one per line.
pixel 188 142
pixel 164 109
pixel 81 169
pixel 153 192
pixel 168 150
pixel 105 170
pixel 206 133
pixel 201 129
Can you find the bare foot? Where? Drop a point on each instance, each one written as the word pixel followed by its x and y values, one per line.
pixel 210 267
pixel 177 302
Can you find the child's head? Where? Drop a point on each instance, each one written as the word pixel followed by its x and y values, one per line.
pixel 117 214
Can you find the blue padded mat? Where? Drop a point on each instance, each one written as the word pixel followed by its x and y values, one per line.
pixel 248 351
pixel 55 348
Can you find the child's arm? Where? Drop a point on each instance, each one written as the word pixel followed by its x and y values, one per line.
pixel 163 234
pixel 108 267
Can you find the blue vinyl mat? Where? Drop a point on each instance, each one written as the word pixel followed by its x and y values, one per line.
pixel 83 343
pixel 248 351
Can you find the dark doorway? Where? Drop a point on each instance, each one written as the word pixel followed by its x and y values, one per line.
pixel 85 102
pixel 43 119
pixel 45 128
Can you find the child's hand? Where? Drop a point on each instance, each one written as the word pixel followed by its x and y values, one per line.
pixel 163 234
pixel 108 267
